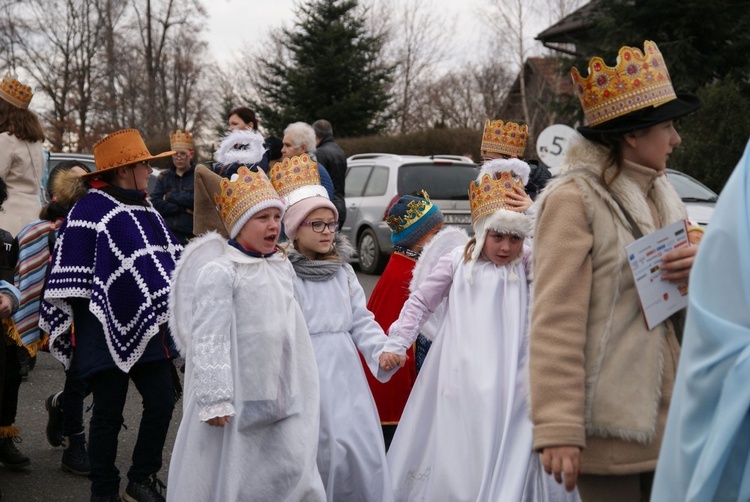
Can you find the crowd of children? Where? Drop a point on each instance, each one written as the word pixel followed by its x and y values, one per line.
pixel 279 343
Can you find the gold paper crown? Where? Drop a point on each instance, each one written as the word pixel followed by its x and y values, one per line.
pixel 246 191
pixel 505 138
pixel 639 80
pixel 415 210
pixel 296 178
pixel 179 140
pixel 491 192
pixel 15 93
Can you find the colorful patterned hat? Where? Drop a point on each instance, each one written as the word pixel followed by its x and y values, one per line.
pixel 634 94
pixel 505 138
pixel 297 181
pixel 14 92
pixel 247 193
pixel 179 140
pixel 119 149
pixel 411 218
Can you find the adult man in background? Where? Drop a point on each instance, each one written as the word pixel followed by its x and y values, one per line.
pixel 173 194
pixel 330 154
pixel 299 138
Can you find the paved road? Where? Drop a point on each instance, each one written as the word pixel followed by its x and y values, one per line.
pixel 44 481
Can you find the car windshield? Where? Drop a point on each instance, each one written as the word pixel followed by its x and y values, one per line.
pixel 691 190
pixel 441 181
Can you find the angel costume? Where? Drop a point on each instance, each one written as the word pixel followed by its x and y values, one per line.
pixel 468 407
pixel 465 434
pixel 351 458
pixel 249 356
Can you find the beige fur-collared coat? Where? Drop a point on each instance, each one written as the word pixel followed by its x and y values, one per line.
pixel 599 379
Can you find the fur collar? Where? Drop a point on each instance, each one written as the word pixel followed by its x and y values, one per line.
pixel 583 165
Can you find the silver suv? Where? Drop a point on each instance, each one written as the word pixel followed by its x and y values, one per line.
pixel 375 181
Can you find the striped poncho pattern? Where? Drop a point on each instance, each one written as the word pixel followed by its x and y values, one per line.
pixel 33 258
pixel 121 257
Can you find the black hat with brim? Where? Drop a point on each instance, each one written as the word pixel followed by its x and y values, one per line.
pixel 644 118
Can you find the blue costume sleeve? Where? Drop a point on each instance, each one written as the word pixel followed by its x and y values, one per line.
pixel 707 440
pixel 325 180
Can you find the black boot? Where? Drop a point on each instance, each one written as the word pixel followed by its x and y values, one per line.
pixel 75 458
pixel 55 419
pixel 9 454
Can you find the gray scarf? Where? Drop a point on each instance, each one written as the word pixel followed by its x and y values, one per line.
pixel 320 270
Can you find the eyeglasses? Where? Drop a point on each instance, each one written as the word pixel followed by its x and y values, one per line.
pixel 318 226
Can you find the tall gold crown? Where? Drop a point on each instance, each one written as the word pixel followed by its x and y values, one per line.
pixel 241 194
pixel 297 178
pixel 15 93
pixel 505 138
pixel 490 193
pixel 179 140
pixel 639 80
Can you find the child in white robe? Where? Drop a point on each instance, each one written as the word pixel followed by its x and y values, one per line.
pixel 249 429
pixel 351 457
pixel 465 434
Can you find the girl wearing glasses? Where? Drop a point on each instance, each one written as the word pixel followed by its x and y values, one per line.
pixel 351 458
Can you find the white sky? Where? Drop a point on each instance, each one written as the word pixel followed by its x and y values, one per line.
pixel 235 23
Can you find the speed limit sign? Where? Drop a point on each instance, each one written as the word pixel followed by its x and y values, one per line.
pixel 552 143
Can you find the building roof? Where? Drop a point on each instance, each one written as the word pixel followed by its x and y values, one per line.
pixel 568 29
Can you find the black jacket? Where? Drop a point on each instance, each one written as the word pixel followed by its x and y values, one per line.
pixel 179 191
pixel 332 157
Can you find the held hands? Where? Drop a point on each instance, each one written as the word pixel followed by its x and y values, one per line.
pixel 219 421
pixel 389 360
pixel 518 200
pixel 561 460
pixel 676 265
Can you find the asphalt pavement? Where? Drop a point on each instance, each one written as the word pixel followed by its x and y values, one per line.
pixel 44 481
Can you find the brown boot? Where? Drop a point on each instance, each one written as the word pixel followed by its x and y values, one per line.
pixel 9 453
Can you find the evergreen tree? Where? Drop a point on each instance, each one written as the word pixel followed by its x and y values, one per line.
pixel 333 71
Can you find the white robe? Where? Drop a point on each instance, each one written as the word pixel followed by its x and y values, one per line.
pixel 465 434
pixel 351 451
pixel 248 355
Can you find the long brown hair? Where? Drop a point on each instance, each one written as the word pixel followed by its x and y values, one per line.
pixel 469 249
pixel 19 122
pixel 613 142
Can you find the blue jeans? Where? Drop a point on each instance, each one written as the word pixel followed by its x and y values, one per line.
pixel 110 388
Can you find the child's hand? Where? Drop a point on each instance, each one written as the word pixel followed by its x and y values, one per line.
pixel 6 306
pixel 389 360
pixel 518 200
pixel 219 421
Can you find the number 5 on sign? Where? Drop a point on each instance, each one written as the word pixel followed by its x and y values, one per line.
pixel 552 143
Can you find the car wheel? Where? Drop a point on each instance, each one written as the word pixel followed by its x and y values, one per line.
pixel 371 260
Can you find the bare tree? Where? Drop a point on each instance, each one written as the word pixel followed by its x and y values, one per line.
pixel 465 97
pixel 418 37
pixel 62 50
pixel 509 21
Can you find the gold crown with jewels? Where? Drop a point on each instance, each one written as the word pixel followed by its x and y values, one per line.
pixel 297 178
pixel 242 193
pixel 14 92
pixel 507 138
pixel 179 140
pixel 490 193
pixel 638 80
